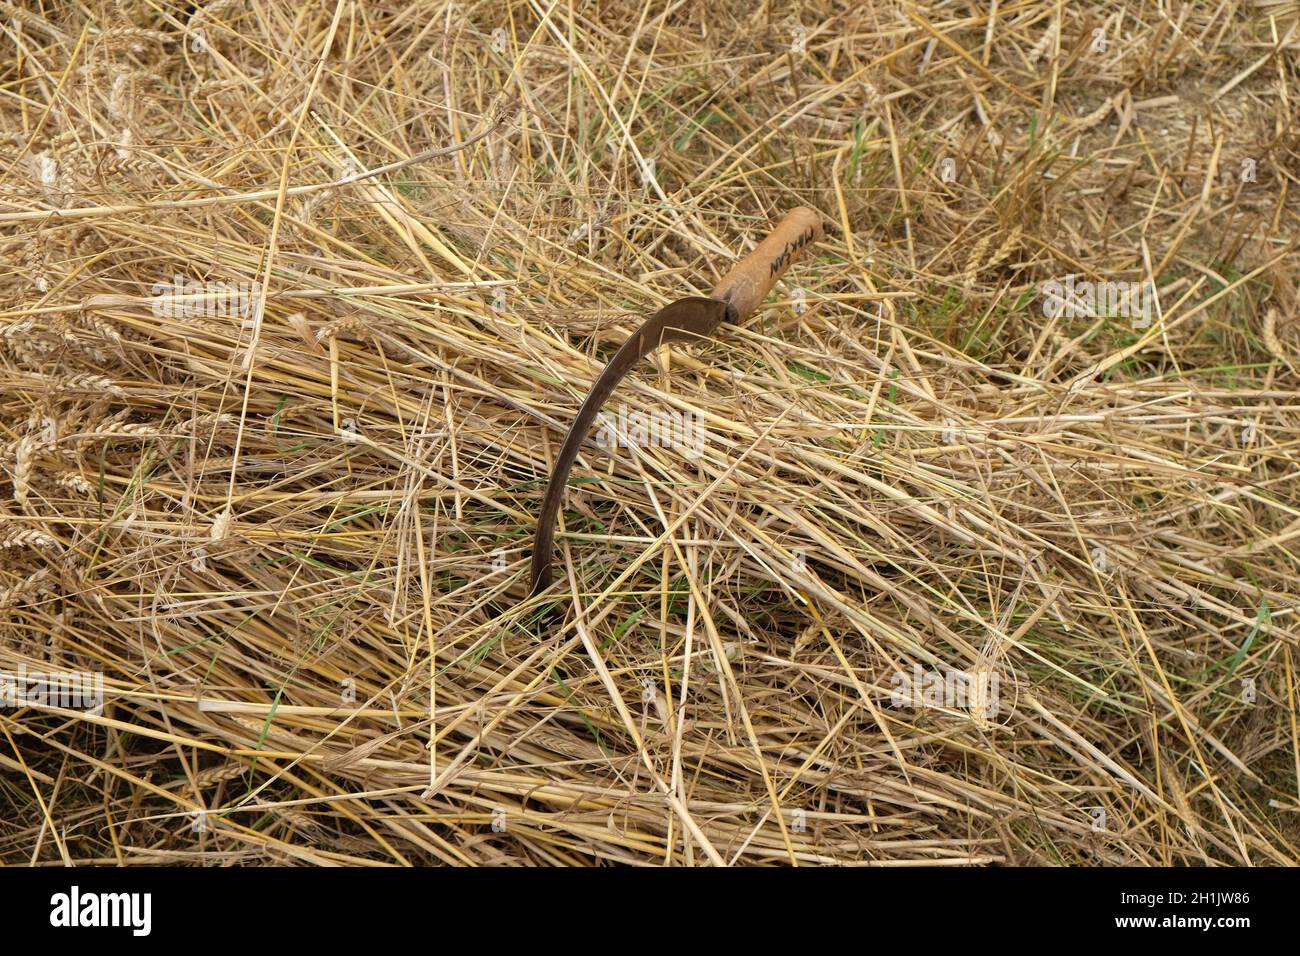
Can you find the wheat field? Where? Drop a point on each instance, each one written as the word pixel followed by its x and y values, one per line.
pixel 986 547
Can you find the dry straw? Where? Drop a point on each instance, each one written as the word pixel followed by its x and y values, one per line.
pixel 292 532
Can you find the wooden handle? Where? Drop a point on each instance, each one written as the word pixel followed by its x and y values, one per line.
pixel 752 278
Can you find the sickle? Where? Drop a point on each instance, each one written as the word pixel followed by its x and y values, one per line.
pixel 695 317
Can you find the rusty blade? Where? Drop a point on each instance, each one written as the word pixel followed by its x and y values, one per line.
pixel 692 318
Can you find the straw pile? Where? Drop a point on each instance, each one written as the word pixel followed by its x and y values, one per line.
pixel 271 441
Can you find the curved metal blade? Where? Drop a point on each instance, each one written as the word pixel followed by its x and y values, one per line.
pixel 694 317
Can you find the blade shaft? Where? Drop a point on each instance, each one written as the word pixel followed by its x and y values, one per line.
pixel 691 318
